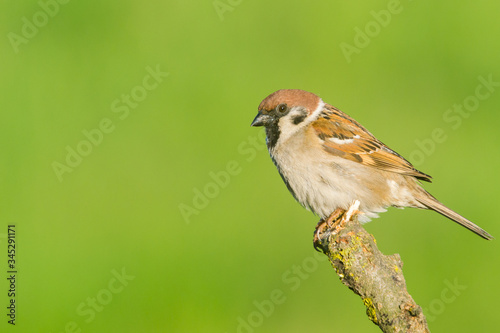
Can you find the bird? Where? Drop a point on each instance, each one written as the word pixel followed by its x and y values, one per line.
pixel 328 160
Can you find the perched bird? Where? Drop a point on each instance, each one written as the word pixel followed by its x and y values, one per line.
pixel 328 160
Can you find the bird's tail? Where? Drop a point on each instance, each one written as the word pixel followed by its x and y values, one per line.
pixel 432 203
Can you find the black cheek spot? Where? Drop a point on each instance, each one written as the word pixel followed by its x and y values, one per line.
pixel 299 118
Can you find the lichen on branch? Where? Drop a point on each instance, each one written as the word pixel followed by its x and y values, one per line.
pixel 378 279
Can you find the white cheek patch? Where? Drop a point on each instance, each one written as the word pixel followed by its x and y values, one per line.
pixel 287 126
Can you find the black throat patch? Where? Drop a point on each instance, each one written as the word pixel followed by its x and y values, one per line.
pixel 273 134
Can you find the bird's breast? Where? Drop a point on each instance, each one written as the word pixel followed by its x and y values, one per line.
pixel 322 182
pixel 315 180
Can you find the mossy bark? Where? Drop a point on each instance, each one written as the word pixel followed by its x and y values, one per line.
pixel 377 278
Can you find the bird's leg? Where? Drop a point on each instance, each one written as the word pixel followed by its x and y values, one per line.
pixel 349 214
pixel 335 217
pixel 335 222
pixel 323 225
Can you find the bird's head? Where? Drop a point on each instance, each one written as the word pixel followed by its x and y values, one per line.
pixel 286 111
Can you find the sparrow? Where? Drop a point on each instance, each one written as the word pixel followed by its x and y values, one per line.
pixel 328 161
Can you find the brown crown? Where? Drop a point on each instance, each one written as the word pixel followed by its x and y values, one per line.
pixel 291 97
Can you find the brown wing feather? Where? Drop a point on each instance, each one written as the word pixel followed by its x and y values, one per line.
pixel 350 140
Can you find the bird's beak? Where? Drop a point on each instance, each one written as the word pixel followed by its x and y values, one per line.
pixel 261 120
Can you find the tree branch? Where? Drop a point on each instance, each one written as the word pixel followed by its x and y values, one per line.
pixel 377 278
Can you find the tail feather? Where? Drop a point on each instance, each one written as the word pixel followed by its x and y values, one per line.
pixel 432 203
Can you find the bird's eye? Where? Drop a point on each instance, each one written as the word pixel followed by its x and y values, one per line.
pixel 282 108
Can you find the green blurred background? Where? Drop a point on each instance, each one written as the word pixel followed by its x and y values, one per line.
pixel 217 266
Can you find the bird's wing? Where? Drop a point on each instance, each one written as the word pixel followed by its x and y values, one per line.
pixel 344 137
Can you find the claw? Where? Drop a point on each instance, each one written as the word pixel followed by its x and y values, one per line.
pixel 320 227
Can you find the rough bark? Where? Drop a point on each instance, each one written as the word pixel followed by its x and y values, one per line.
pixel 376 278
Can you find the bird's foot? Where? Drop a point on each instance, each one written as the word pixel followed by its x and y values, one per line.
pixel 323 226
pixel 335 222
